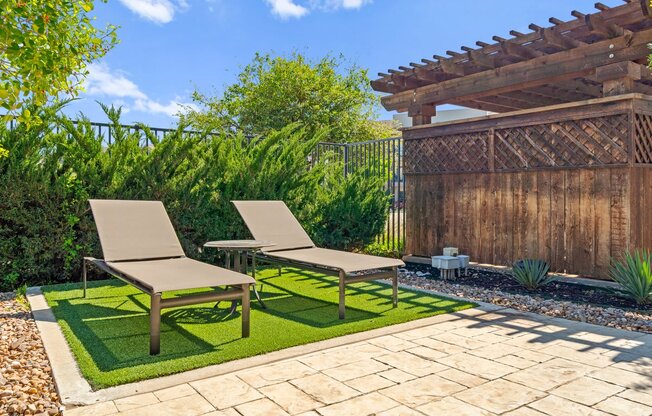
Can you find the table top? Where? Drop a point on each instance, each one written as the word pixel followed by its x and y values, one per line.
pixel 239 244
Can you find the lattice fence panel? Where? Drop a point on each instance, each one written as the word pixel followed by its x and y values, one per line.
pixel 587 142
pixel 454 153
pixel 643 139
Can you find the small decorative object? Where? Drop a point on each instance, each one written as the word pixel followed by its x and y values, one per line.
pixel 446 265
pixel 451 251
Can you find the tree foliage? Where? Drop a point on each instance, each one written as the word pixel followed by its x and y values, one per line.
pixel 45 46
pixel 273 92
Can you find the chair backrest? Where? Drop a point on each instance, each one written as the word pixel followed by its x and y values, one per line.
pixel 273 221
pixel 135 230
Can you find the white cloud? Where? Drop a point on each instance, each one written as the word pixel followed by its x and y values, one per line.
pixel 292 9
pixel 157 11
pixel 286 9
pixel 102 82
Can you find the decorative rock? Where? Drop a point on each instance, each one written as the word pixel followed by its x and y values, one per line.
pixel 25 374
pixel 606 316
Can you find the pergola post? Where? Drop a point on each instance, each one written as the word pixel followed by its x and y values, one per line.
pixel 422 114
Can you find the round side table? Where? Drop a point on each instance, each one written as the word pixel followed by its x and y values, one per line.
pixel 240 250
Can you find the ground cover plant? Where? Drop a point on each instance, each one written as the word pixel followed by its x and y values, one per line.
pixel 108 331
pixel 53 168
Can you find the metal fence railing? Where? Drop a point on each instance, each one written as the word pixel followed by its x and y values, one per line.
pixel 382 157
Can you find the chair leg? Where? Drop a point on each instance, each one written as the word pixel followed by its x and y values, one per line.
pixel 155 324
pixel 394 287
pixel 84 275
pixel 246 304
pixel 342 294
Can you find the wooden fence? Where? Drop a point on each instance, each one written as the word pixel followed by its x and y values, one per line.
pixel 571 184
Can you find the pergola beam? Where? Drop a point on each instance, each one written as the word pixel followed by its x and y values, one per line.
pixel 547 69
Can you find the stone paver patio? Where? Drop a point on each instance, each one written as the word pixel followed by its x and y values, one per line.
pixel 480 362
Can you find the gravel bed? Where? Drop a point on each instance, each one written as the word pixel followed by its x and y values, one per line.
pixel 541 303
pixel 26 383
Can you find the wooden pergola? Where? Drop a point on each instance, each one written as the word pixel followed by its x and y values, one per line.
pixel 591 56
pixel 563 172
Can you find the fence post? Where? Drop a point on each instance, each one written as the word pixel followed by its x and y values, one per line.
pixel 346 160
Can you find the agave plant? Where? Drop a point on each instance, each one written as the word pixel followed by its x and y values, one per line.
pixel 634 275
pixel 531 273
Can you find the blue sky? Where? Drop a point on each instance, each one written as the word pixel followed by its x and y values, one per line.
pixel 171 47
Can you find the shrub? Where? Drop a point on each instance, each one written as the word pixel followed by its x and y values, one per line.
pixel 351 212
pixel 634 275
pixel 531 273
pixel 53 169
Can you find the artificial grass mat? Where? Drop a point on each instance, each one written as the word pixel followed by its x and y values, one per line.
pixel 109 330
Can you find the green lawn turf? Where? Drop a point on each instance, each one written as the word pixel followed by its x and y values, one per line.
pixel 108 331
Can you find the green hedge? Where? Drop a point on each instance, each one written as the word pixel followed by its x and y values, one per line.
pixel 54 168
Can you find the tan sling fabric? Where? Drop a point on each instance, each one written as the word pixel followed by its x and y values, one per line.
pixel 273 221
pixel 134 230
pixel 179 274
pixel 335 259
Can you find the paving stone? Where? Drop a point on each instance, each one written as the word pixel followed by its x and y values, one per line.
pixel 290 398
pixel 427 353
pixel 174 392
pixel 460 377
pixel 548 375
pixel 584 357
pixel 500 396
pixel 637 396
pixel 226 412
pixel 392 343
pixel 622 407
pixel 494 351
pixel 354 370
pixel 261 407
pixel 99 409
pixel 275 373
pixel 586 390
pixel 634 363
pixel 369 383
pixel 535 356
pixel 397 376
pixel 410 363
pixel 444 347
pixel 491 338
pixel 417 333
pixel 183 406
pixel 524 411
pixel 452 406
pixel 225 391
pixel 423 390
pixel 477 365
pixel 336 358
pixel 324 389
pixel 558 406
pixel 367 404
pixel 399 411
pixel 635 381
pixel 516 362
pixel 460 341
pixel 133 402
pixel 310 413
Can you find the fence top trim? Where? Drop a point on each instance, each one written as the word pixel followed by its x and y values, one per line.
pixel 624 97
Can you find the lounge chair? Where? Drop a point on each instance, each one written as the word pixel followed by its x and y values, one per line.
pixel 141 248
pixel 273 221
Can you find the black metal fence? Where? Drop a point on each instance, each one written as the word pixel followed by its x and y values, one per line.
pixel 378 157
pixel 382 157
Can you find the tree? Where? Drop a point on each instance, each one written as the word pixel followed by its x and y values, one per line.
pixel 45 46
pixel 274 92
